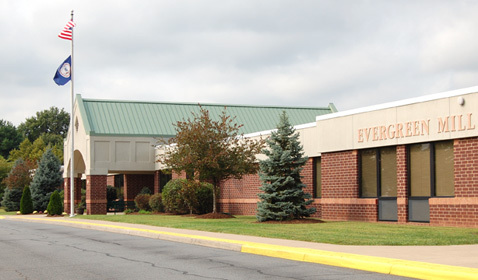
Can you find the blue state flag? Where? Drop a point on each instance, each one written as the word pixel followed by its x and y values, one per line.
pixel 63 74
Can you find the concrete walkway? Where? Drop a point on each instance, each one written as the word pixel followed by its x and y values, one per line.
pixel 423 262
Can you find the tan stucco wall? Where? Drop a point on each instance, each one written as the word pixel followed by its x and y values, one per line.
pixel 430 120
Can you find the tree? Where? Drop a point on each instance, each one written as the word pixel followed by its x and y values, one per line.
pixel 48 178
pixel 5 168
pixel 283 197
pixel 213 151
pixel 34 151
pixel 55 205
pixel 10 138
pixel 26 204
pixel 17 179
pixel 52 121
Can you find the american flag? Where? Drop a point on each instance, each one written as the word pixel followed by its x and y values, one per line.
pixel 67 32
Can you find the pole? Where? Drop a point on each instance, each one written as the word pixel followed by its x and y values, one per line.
pixel 72 130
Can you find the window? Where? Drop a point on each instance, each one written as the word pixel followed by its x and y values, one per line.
pixel 378 172
pixel 164 178
pixel 317 177
pixel 431 169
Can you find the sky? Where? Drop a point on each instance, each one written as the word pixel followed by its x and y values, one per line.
pixel 306 53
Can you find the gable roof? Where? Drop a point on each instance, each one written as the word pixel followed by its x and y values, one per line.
pixel 156 119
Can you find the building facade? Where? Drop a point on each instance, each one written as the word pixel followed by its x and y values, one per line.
pixel 411 161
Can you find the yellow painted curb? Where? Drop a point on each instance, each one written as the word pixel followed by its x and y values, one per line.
pixel 397 267
pixel 382 265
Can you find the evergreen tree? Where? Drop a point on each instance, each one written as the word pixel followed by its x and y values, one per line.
pixel 48 178
pixel 11 199
pixel 55 206
pixel 283 197
pixel 26 204
pixel 17 179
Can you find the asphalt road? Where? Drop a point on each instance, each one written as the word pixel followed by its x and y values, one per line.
pixel 43 251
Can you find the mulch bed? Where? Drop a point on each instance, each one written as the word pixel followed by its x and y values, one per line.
pixel 297 221
pixel 215 216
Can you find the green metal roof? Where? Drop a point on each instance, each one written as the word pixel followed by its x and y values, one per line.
pixel 156 119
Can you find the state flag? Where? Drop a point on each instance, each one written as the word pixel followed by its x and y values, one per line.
pixel 63 73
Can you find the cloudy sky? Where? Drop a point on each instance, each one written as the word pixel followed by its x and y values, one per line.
pixel 262 52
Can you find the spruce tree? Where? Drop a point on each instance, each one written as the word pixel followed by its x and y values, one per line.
pixel 55 206
pixel 48 178
pixel 283 197
pixel 26 204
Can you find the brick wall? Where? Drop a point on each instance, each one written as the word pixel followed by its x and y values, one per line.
pixel 340 189
pixel 402 184
pixel 96 194
pixel 461 210
pixel 134 183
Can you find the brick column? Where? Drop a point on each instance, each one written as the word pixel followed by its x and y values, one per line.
pixel 402 184
pixel 96 194
pixel 156 181
pixel 66 197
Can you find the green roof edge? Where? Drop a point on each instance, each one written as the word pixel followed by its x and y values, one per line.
pixel 208 104
pixel 84 116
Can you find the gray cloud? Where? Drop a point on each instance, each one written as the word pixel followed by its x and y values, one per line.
pixel 303 53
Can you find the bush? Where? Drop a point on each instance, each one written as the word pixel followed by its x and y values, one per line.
pixel 11 199
pixel 205 198
pixel 142 202
pixel 146 190
pixel 172 199
pixel 111 193
pixel 26 203
pixel 55 206
pixel 156 203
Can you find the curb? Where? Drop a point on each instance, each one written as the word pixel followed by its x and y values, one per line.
pixel 414 269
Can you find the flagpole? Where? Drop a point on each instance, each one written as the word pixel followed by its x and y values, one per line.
pixel 72 130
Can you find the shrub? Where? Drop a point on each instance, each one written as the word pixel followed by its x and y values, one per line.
pixel 142 202
pixel 11 199
pixel 146 190
pixel 188 194
pixel 172 199
pixel 26 203
pixel 111 193
pixel 55 206
pixel 156 203
pixel 204 198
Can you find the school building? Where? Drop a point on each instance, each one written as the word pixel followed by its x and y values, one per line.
pixel 410 161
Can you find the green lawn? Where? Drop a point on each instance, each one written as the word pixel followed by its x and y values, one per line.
pixel 3 212
pixel 346 233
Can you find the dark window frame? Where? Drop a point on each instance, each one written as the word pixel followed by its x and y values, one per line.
pixel 378 169
pixel 432 163
pixel 314 177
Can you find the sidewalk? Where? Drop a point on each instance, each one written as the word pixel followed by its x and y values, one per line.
pixel 424 262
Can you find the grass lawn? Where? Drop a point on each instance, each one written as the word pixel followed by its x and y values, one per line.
pixel 3 212
pixel 346 233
